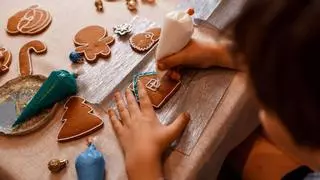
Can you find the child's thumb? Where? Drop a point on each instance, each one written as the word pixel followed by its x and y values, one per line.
pixel 176 128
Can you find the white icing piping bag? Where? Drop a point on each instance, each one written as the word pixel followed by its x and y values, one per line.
pixel 176 33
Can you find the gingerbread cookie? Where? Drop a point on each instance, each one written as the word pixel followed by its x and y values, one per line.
pixel 122 29
pixel 78 120
pixel 93 41
pixel 32 20
pixel 5 60
pixel 159 90
pixel 144 41
pixel 25 64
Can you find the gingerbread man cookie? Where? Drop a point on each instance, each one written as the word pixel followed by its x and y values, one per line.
pixel 145 41
pixel 93 41
pixel 5 60
pixel 32 20
pixel 25 64
pixel 78 120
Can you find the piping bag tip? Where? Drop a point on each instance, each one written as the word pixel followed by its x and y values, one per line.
pixel 190 11
pixel 78 72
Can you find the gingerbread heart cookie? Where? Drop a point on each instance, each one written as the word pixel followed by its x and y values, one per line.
pixel 143 42
pixel 158 90
pixel 32 20
pixel 93 41
pixel 5 60
pixel 78 120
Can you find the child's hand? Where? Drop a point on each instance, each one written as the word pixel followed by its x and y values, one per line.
pixel 142 137
pixel 199 54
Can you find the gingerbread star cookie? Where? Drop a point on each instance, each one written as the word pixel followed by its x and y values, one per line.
pixel 122 29
pixel 32 20
pixel 5 60
pixel 93 42
pixel 78 120
pixel 143 42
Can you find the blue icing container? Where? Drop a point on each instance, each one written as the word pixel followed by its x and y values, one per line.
pixel 90 164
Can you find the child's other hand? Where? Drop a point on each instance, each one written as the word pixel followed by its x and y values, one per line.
pixel 199 54
pixel 142 137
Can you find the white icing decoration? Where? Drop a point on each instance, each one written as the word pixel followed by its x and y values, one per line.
pixel 153 85
pixel 148 36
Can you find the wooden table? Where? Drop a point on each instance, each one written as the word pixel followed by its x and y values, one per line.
pixel 26 157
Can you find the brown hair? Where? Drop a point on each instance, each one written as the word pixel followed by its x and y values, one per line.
pixel 281 42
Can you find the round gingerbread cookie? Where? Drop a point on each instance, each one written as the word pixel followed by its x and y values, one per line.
pixel 32 20
pixel 5 60
pixel 142 42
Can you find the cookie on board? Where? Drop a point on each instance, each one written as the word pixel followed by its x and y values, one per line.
pixel 143 42
pixel 93 42
pixel 159 91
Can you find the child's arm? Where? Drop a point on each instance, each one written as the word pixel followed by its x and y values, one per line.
pixel 141 135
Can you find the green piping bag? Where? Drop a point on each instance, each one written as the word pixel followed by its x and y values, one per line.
pixel 59 85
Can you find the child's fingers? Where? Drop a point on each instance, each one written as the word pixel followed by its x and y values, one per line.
pixel 132 103
pixel 175 75
pixel 117 126
pixel 145 103
pixel 123 111
pixel 176 128
pixel 171 61
pixel 178 59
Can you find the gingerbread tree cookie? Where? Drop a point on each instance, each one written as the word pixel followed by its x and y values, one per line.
pixel 93 41
pixel 78 120
pixel 32 20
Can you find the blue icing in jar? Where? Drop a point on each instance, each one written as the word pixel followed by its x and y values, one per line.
pixel 90 164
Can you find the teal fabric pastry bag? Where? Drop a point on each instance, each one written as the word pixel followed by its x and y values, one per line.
pixel 59 85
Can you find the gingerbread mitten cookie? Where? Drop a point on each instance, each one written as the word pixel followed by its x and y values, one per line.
pixel 5 60
pixel 32 20
pixel 79 120
pixel 143 42
pixel 93 41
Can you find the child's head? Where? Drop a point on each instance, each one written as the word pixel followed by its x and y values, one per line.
pixel 281 43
